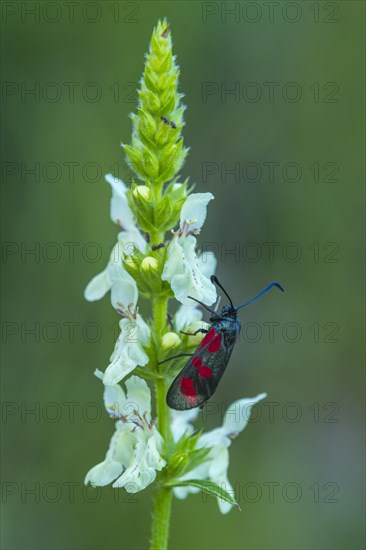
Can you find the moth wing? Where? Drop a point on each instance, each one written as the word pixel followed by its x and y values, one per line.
pixel 198 380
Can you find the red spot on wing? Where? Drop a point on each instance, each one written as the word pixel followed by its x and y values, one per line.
pixel 207 339
pixel 197 362
pixel 187 387
pixel 215 343
pixel 205 372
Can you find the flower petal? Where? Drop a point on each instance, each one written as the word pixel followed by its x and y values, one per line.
pixel 142 469
pixel 98 286
pixel 128 352
pixel 119 368
pixel 124 291
pixel 181 492
pixel 115 278
pixel 118 455
pixel 121 213
pixel 218 474
pixel 194 211
pixel 207 263
pixel 103 473
pixel 225 506
pixel 114 398
pixel 238 414
pixel 138 395
pixel 183 272
pixel 220 463
pixel 153 449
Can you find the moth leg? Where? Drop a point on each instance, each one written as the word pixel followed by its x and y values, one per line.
pixel 203 330
pixel 176 357
pixel 170 321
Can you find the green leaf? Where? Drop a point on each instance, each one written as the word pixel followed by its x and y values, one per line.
pixel 144 222
pixel 206 486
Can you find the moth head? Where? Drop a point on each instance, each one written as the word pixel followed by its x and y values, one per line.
pixel 229 311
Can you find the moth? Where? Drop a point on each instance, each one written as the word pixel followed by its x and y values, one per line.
pixel 199 378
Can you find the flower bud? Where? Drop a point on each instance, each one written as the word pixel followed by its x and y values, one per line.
pixel 149 264
pixel 143 207
pixel 170 340
pixel 131 264
pixel 178 464
pixel 150 275
pixel 146 124
pixel 142 192
pixel 150 163
pixel 134 157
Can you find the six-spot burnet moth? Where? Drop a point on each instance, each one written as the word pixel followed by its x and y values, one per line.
pixel 198 380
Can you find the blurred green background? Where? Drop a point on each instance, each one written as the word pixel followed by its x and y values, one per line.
pixel 298 468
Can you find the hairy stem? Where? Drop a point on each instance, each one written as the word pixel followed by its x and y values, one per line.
pixel 161 519
pixel 163 495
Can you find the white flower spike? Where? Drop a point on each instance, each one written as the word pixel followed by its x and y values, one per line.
pixel 183 269
pixel 133 457
pixel 218 440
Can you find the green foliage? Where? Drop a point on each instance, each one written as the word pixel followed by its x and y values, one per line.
pixel 186 456
pixel 208 487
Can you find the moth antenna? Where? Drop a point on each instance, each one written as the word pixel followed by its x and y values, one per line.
pixel 202 304
pixel 268 287
pixel 215 280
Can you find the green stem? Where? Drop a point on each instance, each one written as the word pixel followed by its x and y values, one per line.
pixel 156 237
pixel 161 519
pixel 163 495
pixel 162 409
pixel 160 308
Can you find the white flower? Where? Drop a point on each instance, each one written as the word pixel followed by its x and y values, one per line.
pixel 191 314
pixel 133 457
pixel 128 352
pixel 194 211
pixel 121 213
pixel 185 272
pixel 218 440
pixel 115 277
